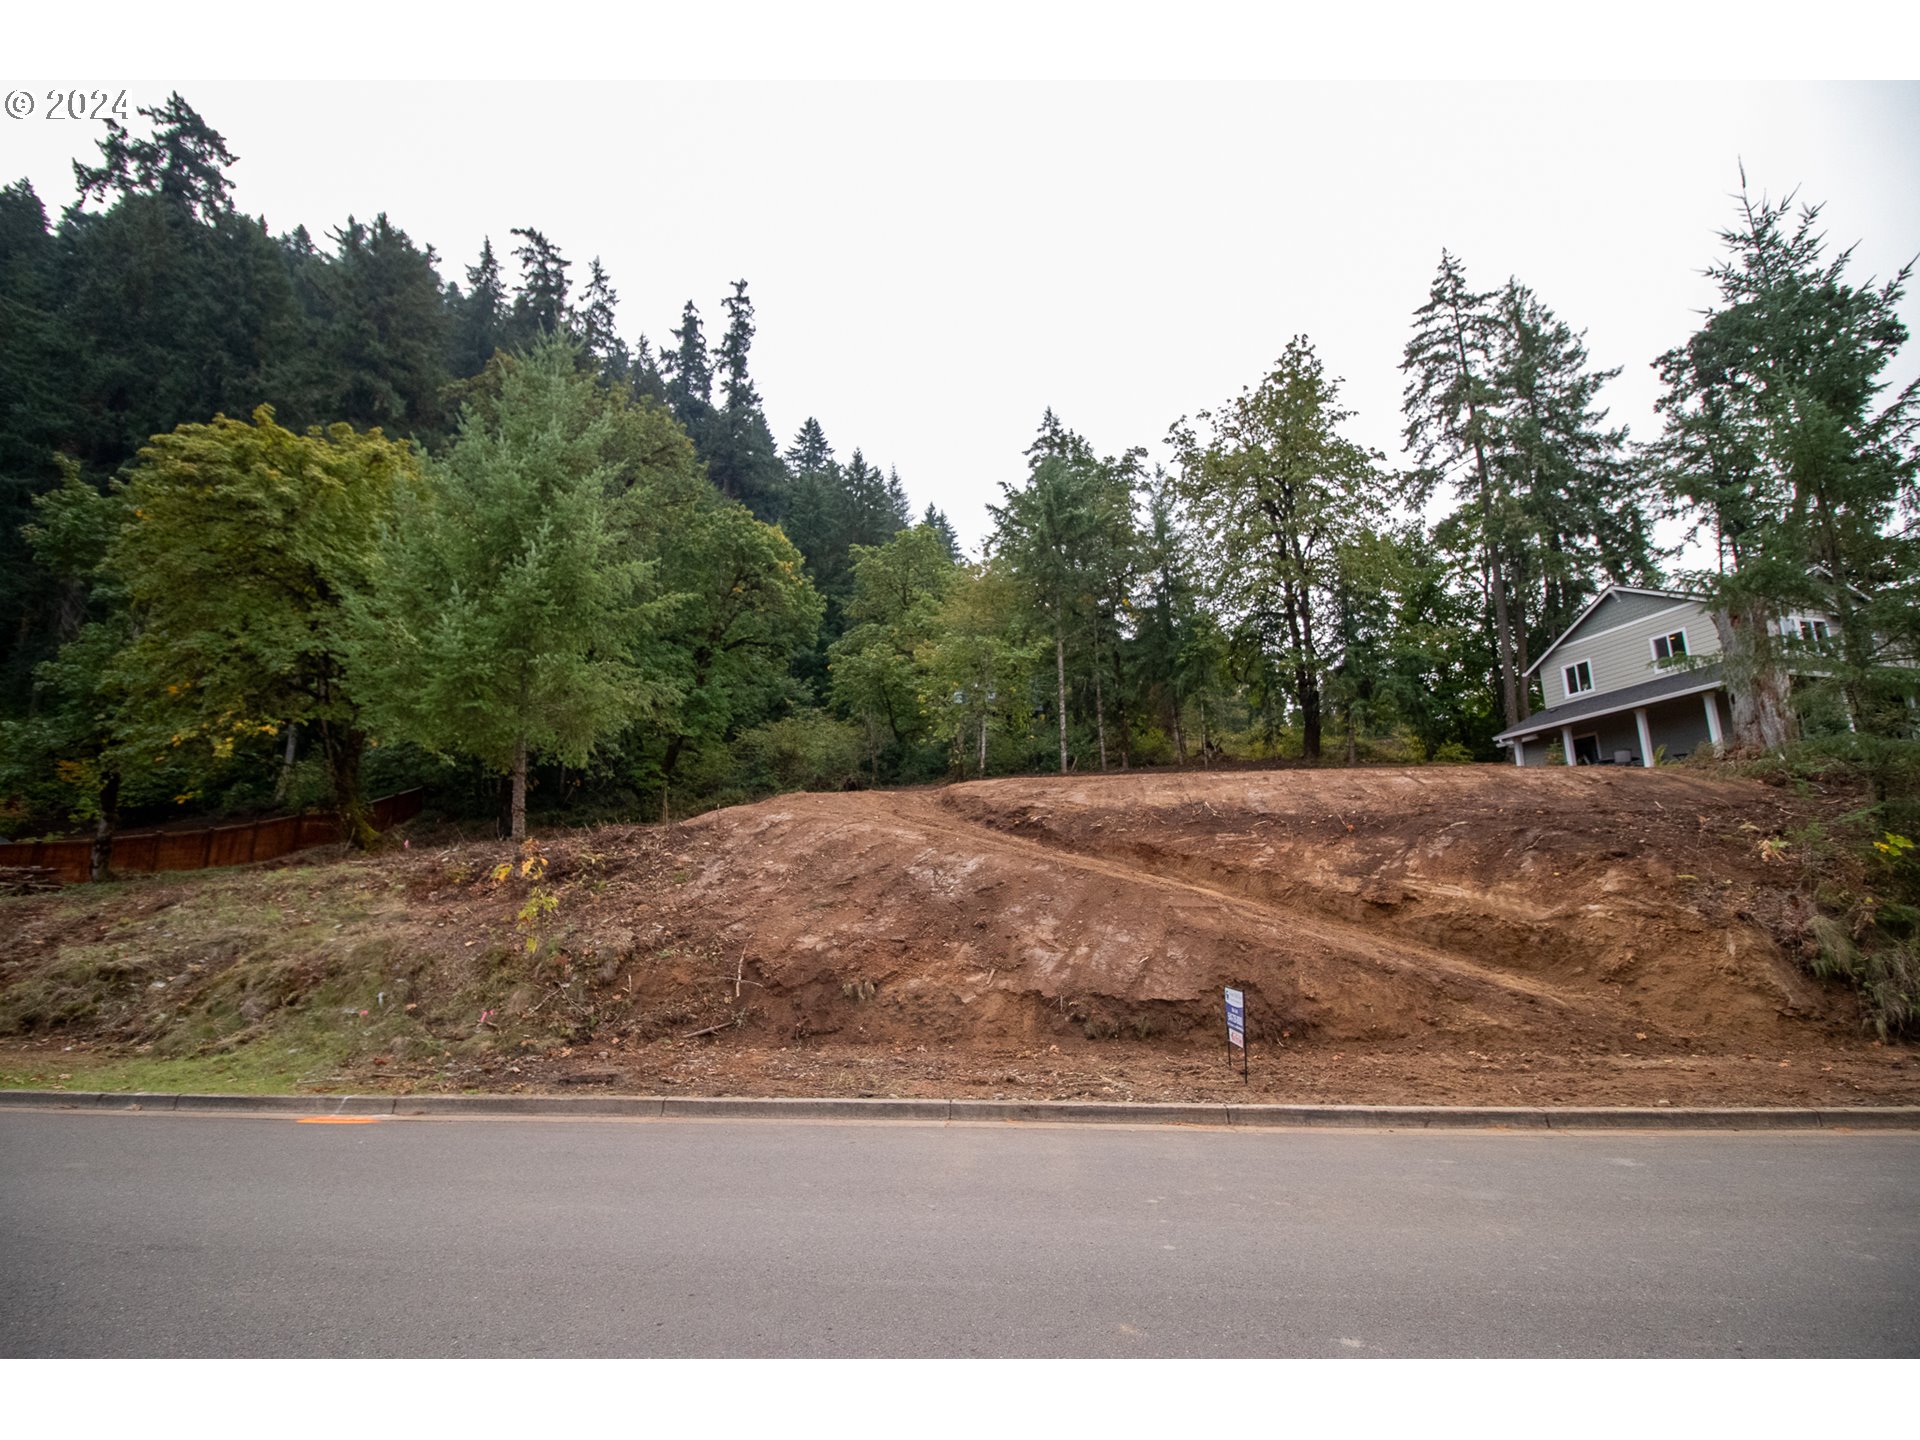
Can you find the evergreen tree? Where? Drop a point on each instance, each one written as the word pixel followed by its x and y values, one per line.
pixel 1777 436
pixel 36 418
pixel 184 162
pixel 1450 405
pixel 478 319
pixel 738 446
pixel 810 453
pixel 876 505
pixel 375 334
pixel 936 520
pixel 1045 532
pixel 1578 519
pixel 540 303
pixel 178 303
pixel 689 375
pixel 603 346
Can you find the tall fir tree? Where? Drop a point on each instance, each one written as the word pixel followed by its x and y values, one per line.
pixel 739 447
pixel 478 318
pixel 1778 436
pixel 375 335
pixel 599 339
pixel 540 303
pixel 1450 406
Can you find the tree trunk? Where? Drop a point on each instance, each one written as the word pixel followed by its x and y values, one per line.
pixel 1353 743
pixel 983 744
pixel 1762 718
pixel 1099 710
pixel 1496 567
pixel 344 746
pixel 100 858
pixel 1502 624
pixel 517 830
pixel 286 764
pixel 1521 662
pixel 1179 740
pixel 1060 683
pixel 1307 691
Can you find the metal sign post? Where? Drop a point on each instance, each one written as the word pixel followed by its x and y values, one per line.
pixel 1237 1030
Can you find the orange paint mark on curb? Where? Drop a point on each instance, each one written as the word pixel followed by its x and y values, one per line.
pixel 339 1120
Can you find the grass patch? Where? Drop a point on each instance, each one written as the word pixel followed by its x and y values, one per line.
pixel 263 1069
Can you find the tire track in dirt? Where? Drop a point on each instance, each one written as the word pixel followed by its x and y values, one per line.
pixel 1342 938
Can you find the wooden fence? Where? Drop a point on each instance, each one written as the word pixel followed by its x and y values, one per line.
pixel 144 852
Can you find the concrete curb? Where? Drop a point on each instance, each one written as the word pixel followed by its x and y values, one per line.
pixel 974 1112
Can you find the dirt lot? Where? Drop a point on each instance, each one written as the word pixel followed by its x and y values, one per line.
pixel 1443 934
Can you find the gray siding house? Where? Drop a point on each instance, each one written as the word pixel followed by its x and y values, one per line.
pixel 1632 679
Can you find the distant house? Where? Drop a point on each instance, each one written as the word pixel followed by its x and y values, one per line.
pixel 1626 682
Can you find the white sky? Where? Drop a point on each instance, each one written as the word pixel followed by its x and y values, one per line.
pixel 935 259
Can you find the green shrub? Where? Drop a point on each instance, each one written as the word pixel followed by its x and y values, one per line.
pixel 807 751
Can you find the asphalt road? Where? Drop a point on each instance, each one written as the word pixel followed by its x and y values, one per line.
pixel 178 1235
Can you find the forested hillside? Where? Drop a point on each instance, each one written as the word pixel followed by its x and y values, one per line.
pixel 289 518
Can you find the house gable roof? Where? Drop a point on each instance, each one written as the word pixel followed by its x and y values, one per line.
pixel 1678 596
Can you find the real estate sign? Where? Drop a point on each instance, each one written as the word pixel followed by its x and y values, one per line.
pixel 1236 1018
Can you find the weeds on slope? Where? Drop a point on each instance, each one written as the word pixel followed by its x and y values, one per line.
pixel 1861 873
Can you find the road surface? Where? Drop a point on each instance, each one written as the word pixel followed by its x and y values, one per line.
pixel 187 1235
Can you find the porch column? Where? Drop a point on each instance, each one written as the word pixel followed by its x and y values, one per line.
pixel 1520 752
pixel 1566 741
pixel 1646 737
pixel 1713 719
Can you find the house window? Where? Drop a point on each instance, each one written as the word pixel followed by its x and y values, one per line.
pixel 1814 633
pixel 1579 678
pixel 1665 647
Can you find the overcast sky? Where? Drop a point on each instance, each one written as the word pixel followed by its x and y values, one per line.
pixel 935 263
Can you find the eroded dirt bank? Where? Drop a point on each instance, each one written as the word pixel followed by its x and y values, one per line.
pixel 1441 934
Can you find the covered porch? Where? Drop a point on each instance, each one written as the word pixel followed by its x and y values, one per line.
pixel 1665 719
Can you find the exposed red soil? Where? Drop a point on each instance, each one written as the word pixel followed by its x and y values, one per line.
pixel 1435 935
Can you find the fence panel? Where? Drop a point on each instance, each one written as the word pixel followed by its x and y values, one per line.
pixel 274 838
pixel 150 851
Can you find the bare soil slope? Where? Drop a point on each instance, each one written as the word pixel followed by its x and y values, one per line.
pixel 1465 934
pixel 1465 906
